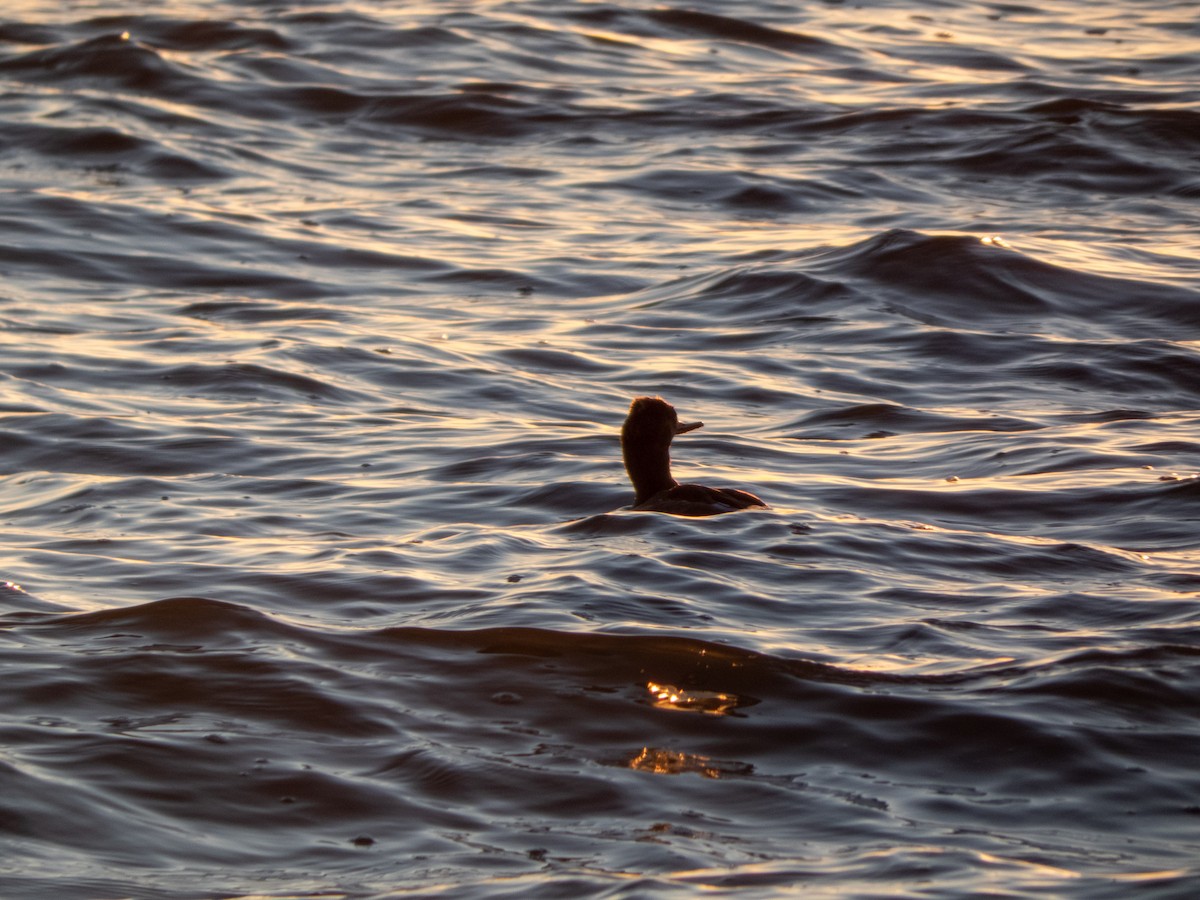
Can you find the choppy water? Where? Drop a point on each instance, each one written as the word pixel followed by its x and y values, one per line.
pixel 319 322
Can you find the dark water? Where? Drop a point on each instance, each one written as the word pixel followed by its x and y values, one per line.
pixel 319 322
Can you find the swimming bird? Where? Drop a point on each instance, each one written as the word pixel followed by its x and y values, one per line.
pixel 646 438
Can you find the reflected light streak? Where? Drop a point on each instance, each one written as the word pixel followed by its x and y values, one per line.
pixel 657 761
pixel 670 762
pixel 667 47
pixel 893 664
pixel 1041 868
pixel 713 703
pixel 1150 876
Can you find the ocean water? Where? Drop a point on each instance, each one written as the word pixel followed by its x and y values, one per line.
pixel 320 320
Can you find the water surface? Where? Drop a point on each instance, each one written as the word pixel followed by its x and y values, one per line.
pixel 319 323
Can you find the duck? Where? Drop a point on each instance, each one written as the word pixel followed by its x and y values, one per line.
pixel 646 438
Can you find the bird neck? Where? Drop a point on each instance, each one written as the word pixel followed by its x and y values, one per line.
pixel 649 469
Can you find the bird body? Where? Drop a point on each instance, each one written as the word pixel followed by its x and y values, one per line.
pixel 646 438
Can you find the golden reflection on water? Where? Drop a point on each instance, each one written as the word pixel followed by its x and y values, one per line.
pixel 1149 876
pixel 713 703
pixel 673 762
